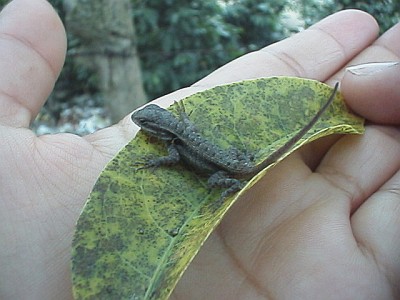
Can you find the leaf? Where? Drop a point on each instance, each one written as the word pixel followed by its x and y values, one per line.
pixel 139 230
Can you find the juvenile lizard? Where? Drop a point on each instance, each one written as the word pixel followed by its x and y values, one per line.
pixel 226 168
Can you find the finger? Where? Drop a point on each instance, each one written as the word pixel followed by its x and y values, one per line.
pixel 363 174
pixel 374 96
pixel 314 53
pixel 360 165
pixel 32 50
pixel 376 227
pixel 373 91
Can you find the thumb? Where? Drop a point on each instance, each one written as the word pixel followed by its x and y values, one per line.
pixel 373 91
pixel 31 58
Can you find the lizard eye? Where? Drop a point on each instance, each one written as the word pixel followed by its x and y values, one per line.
pixel 141 121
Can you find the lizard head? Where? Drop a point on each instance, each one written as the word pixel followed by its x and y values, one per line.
pixel 155 121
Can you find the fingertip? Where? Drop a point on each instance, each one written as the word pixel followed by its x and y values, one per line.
pixel 373 91
pixel 353 19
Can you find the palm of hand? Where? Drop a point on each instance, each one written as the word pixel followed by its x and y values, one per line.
pixel 298 234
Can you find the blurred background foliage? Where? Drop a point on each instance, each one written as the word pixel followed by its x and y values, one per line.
pixel 386 12
pixel 180 41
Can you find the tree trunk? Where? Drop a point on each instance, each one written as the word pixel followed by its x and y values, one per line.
pixel 105 32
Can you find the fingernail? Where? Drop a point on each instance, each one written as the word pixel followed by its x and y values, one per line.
pixel 371 68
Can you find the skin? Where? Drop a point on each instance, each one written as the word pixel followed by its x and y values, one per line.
pixel 324 224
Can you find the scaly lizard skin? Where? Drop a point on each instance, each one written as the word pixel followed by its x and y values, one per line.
pixel 226 168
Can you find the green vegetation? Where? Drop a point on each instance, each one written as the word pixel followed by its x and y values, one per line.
pixel 180 41
pixel 386 12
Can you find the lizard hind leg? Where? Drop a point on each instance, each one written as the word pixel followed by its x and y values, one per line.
pixel 221 179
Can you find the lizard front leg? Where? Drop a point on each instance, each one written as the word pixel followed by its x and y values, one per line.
pixel 172 158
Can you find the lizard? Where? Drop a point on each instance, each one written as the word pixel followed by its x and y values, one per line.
pixel 226 168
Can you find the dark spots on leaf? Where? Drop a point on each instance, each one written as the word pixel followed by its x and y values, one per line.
pixel 174 232
pixel 84 261
pixel 114 187
pixel 113 243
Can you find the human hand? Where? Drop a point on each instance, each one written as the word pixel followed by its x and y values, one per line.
pixel 334 229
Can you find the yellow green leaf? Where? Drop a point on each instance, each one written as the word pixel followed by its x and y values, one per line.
pixel 139 230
